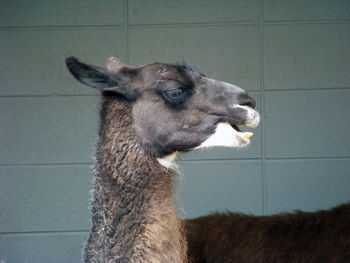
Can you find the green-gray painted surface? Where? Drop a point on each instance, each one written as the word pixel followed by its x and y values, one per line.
pixel 44 198
pixel 306 56
pixel 306 184
pixel 48 130
pixel 307 123
pixel 64 247
pixel 143 12
pixel 209 186
pixel 293 57
pixel 306 10
pixel 32 60
pixel 61 13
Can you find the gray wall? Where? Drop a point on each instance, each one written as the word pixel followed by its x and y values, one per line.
pixel 293 56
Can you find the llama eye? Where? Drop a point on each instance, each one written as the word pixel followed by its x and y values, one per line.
pixel 174 95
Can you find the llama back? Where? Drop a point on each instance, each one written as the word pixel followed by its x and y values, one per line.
pixel 322 236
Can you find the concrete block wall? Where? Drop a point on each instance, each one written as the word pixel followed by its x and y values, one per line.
pixel 292 56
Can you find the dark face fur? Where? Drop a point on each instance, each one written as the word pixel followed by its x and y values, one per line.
pixel 174 108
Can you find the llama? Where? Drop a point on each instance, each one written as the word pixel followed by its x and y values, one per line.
pixel 149 114
pixel 322 236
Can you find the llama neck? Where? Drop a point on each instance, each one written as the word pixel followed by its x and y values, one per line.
pixel 134 219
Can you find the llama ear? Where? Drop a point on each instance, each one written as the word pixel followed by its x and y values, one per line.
pixel 90 75
pixel 100 78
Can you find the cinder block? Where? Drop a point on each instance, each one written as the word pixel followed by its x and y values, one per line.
pixel 286 10
pixel 221 185
pixel 61 13
pixel 45 247
pixel 45 198
pixel 306 56
pixel 304 124
pixel 32 61
pixel 48 130
pixel 182 11
pixel 307 185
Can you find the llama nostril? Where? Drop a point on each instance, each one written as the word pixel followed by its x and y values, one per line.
pixel 246 100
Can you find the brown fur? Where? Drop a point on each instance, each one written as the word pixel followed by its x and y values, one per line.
pixel 322 236
pixel 133 216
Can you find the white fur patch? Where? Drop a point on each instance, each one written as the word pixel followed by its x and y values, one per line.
pixel 169 161
pixel 226 136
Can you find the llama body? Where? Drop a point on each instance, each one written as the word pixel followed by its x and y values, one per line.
pixel 317 237
pixel 148 115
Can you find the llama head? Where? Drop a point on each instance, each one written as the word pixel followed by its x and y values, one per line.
pixel 174 107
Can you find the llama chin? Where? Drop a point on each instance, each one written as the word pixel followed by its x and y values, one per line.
pixel 226 136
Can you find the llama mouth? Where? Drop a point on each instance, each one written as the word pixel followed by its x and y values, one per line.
pixel 235 127
pixel 252 120
pixel 246 135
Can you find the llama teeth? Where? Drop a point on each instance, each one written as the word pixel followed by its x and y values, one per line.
pixel 248 135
